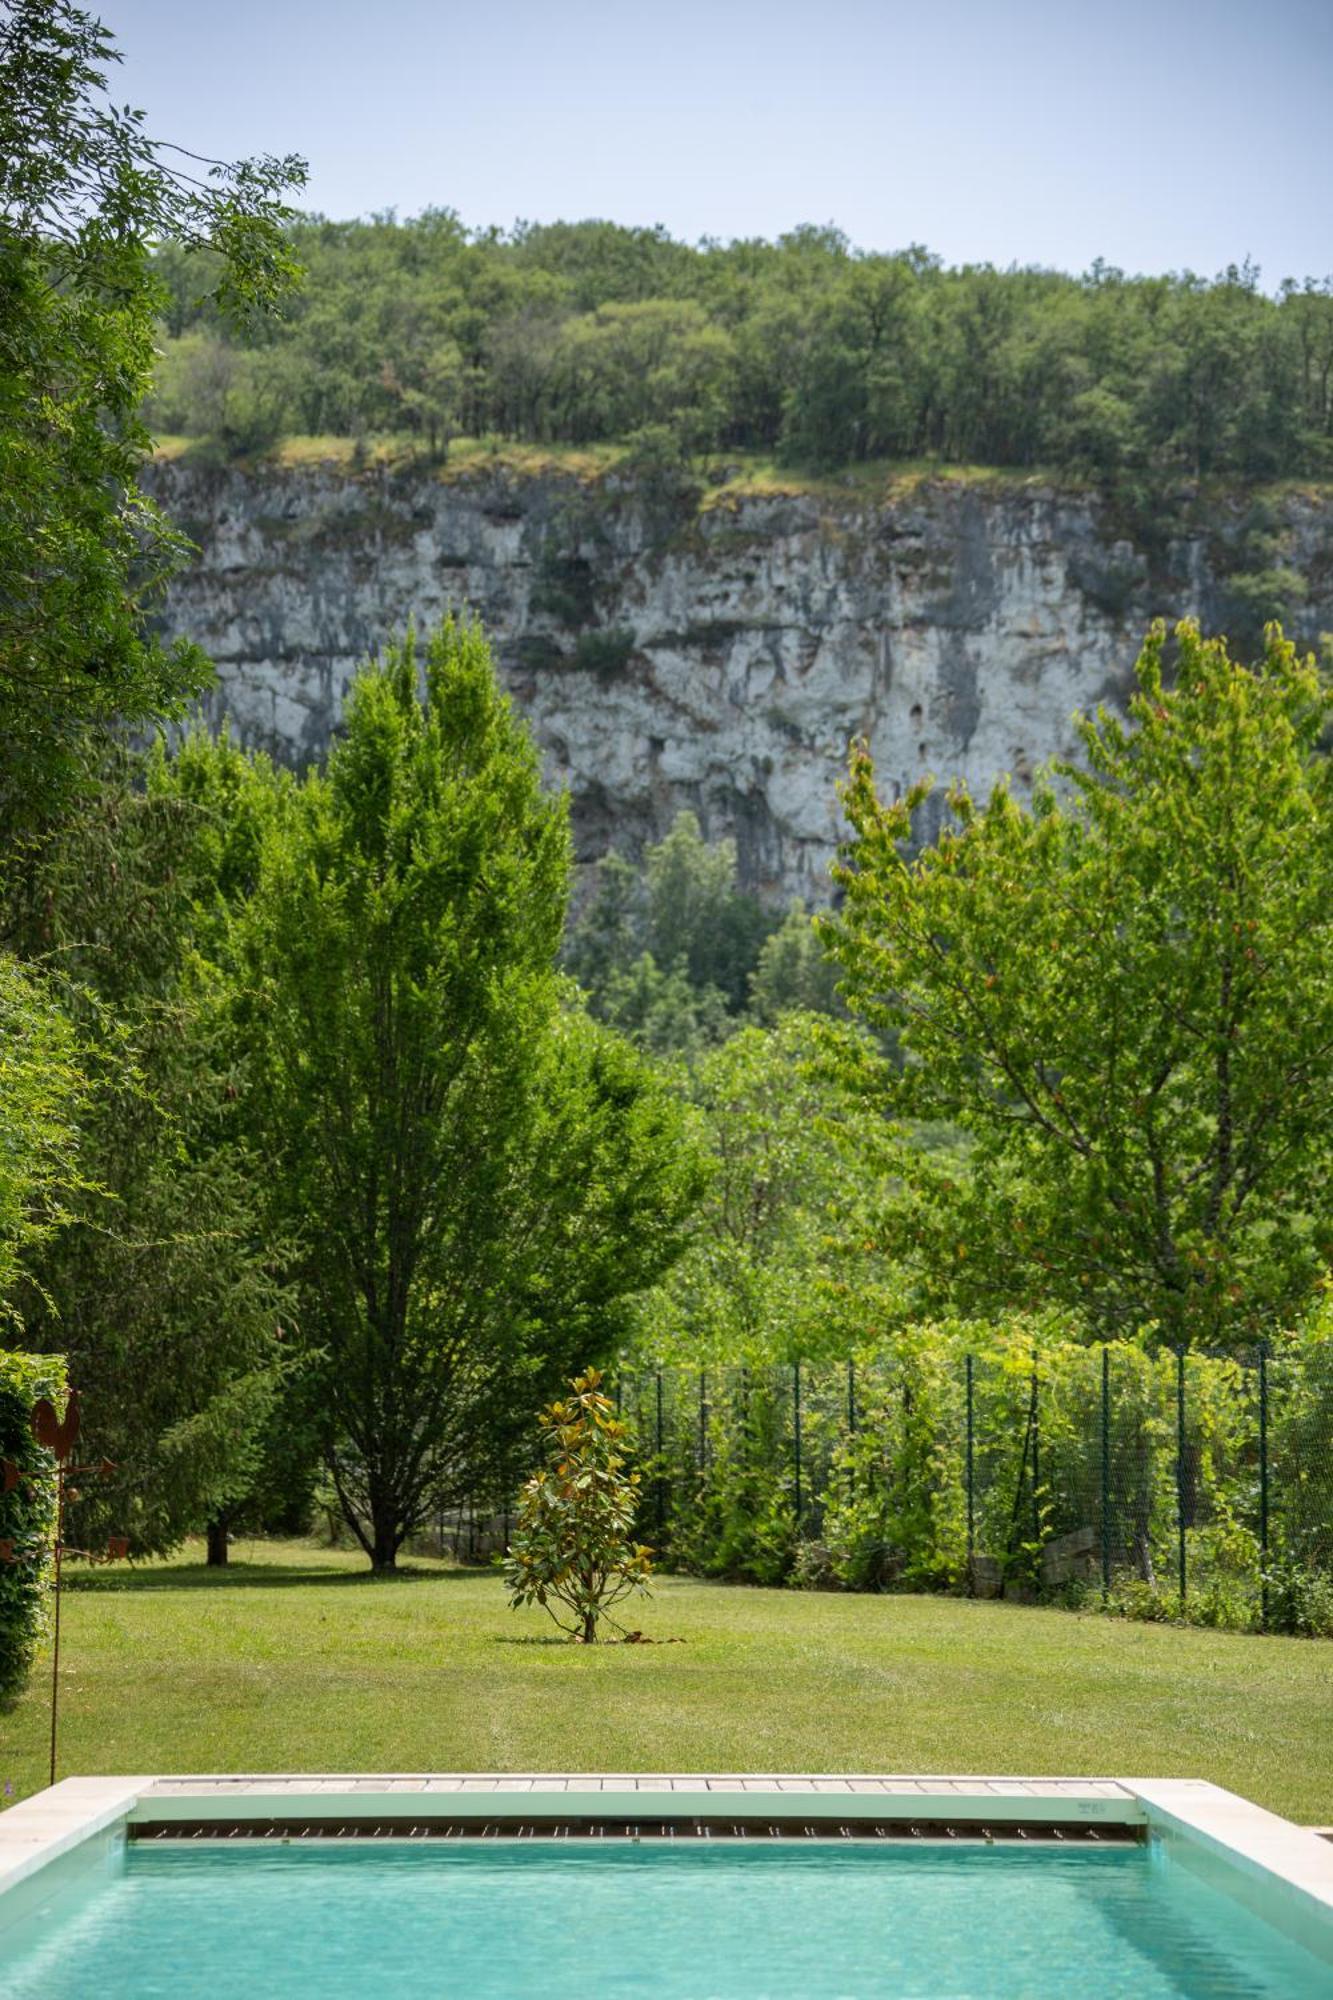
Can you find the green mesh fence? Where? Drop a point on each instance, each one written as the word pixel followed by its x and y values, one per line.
pixel 1164 1486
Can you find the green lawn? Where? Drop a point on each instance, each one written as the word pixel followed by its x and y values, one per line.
pixel 295 1660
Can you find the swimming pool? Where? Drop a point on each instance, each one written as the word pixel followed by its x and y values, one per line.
pixel 682 1888
pixel 678 1920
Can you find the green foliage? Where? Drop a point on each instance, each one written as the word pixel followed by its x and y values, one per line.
pixel 695 916
pixel 667 952
pixel 1122 996
pixel 732 1513
pixel 793 973
pixel 478 1172
pixel 895 1516
pixel 572 1551
pixel 27 1514
pixel 806 348
pixel 605 654
pixel 84 195
pixel 661 1011
pixel 784 1259
pixel 1300 1601
pixel 42 1091
pixel 164 1287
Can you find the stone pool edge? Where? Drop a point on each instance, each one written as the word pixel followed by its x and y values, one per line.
pixel 1283 1872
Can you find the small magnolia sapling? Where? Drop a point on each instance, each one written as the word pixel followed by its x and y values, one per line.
pixel 573 1551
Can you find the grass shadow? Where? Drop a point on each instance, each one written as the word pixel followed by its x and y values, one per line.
pixel 530 1639
pixel 253 1576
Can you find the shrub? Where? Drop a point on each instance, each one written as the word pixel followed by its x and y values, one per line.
pixel 27 1514
pixel 572 1550
pixel 604 653
pixel 736 1517
pixel 1300 1601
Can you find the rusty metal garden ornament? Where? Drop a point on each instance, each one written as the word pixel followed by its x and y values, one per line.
pixel 59 1435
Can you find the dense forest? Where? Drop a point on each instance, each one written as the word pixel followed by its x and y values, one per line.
pixel 804 348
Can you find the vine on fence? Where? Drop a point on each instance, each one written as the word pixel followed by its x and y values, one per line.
pixel 1017 1464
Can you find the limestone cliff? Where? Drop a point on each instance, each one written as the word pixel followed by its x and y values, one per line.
pixel 716 653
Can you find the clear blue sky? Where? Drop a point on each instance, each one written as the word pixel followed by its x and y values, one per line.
pixel 1158 134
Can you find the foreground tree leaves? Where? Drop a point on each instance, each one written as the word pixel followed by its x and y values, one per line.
pixel 163 1287
pixel 42 1091
pixel 479 1174
pixel 85 195
pixel 1123 997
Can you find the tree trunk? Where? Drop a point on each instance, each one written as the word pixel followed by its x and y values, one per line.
pixel 384 1544
pixel 217 1542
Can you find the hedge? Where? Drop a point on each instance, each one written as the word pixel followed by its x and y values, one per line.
pixel 27 1514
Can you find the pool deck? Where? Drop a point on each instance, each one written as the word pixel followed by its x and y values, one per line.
pixel 1285 1872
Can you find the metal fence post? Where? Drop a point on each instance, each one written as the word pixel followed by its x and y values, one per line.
pixel 796 1434
pixel 1263 1484
pixel 703 1421
pixel 1036 1456
pixel 1180 1473
pixel 971 1493
pixel 1106 1472
pixel 851 1424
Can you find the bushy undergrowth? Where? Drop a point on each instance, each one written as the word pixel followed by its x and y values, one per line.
pixel 1082 1486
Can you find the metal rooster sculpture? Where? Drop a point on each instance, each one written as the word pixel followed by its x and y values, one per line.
pixel 59 1435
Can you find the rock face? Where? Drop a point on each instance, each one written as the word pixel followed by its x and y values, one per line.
pixel 716 653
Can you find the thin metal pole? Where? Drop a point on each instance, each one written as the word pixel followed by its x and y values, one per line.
pixel 1106 1472
pixel 745 1439
pixel 55 1647
pixel 1036 1454
pixel 971 1492
pixel 796 1434
pixel 703 1420
pixel 1180 1473
pixel 851 1423
pixel 1263 1483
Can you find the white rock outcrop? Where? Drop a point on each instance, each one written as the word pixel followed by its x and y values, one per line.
pixel 720 659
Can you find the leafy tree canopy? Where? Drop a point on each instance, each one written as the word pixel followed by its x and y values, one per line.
pixel 808 348
pixel 1122 996
pixel 479 1173
pixel 784 1258
pixel 573 1550
pixel 163 1287
pixel 42 1091
pixel 667 951
pixel 85 196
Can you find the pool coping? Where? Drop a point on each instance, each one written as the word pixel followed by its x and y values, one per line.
pixel 1281 1871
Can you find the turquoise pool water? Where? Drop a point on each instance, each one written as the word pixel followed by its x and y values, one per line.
pixel 478 1920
